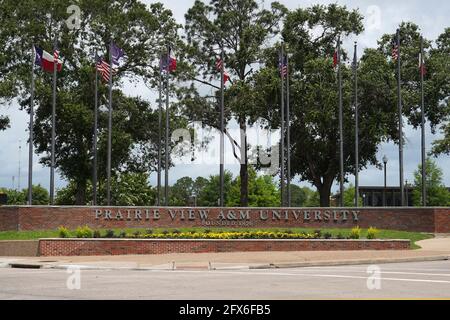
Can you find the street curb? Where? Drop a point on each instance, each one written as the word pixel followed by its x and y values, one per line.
pixel 250 267
pixel 348 262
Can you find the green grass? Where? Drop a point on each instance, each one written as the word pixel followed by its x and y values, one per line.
pixel 383 234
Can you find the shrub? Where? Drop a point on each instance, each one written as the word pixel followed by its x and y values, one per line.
pixel 148 231
pixel 355 233
pixel 318 233
pixel 122 234
pixel 84 232
pixel 372 233
pixel 63 232
pixel 97 234
pixel 340 236
pixel 109 233
pixel 327 235
pixel 137 234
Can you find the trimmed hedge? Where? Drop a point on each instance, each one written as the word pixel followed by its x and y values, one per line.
pixel 86 232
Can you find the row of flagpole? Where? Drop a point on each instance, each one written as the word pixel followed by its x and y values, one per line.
pixel 38 58
pixel 396 56
pixel 285 124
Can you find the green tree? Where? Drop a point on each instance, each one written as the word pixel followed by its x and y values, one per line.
pixel 15 197
pixel 208 195
pixel 436 192
pixel 304 197
pixel 127 189
pixel 314 95
pixel 182 192
pixel 242 28
pixel 40 195
pixel 20 197
pixel 263 191
pixel 440 76
pixel 349 197
pixel 436 79
pixel 132 189
pixel 140 30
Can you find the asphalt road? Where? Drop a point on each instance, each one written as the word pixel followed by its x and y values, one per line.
pixel 401 280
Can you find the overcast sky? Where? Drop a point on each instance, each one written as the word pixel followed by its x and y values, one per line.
pixel 380 17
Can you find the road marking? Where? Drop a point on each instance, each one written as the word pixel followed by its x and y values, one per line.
pixel 303 275
pixel 382 271
pixel 382 266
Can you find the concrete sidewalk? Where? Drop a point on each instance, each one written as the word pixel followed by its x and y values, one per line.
pixel 432 249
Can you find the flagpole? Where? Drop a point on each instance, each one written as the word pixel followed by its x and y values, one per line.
pixel 30 146
pixel 108 173
pixel 288 125
pixel 159 136
pixel 282 125
pixel 400 122
pixel 341 133
pixel 422 70
pixel 355 69
pixel 166 186
pixel 222 128
pixel 94 165
pixel 52 165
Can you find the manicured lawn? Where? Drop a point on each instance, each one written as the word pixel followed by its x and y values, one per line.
pixel 383 234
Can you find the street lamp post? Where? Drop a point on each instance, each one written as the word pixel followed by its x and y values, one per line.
pixel 385 160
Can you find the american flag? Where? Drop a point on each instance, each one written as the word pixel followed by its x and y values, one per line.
pixel 56 55
pixel 104 68
pixel 282 63
pixel 395 50
pixel 219 66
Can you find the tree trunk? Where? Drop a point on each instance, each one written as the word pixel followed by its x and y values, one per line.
pixel 80 196
pixel 324 196
pixel 324 190
pixel 244 164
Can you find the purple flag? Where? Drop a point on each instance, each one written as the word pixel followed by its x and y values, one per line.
pixel 116 53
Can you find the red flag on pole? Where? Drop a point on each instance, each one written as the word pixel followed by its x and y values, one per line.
pixel 335 59
pixel 422 67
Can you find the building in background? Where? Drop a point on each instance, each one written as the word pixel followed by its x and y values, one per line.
pixel 389 196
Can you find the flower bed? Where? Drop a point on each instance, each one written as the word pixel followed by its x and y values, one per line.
pixel 86 232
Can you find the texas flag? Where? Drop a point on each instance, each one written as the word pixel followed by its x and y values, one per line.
pixel 168 62
pixel 46 60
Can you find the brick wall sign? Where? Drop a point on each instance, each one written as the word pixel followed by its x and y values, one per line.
pixel 49 218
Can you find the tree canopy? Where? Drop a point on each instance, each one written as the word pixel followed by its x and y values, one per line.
pixel 250 35
pixel 437 194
